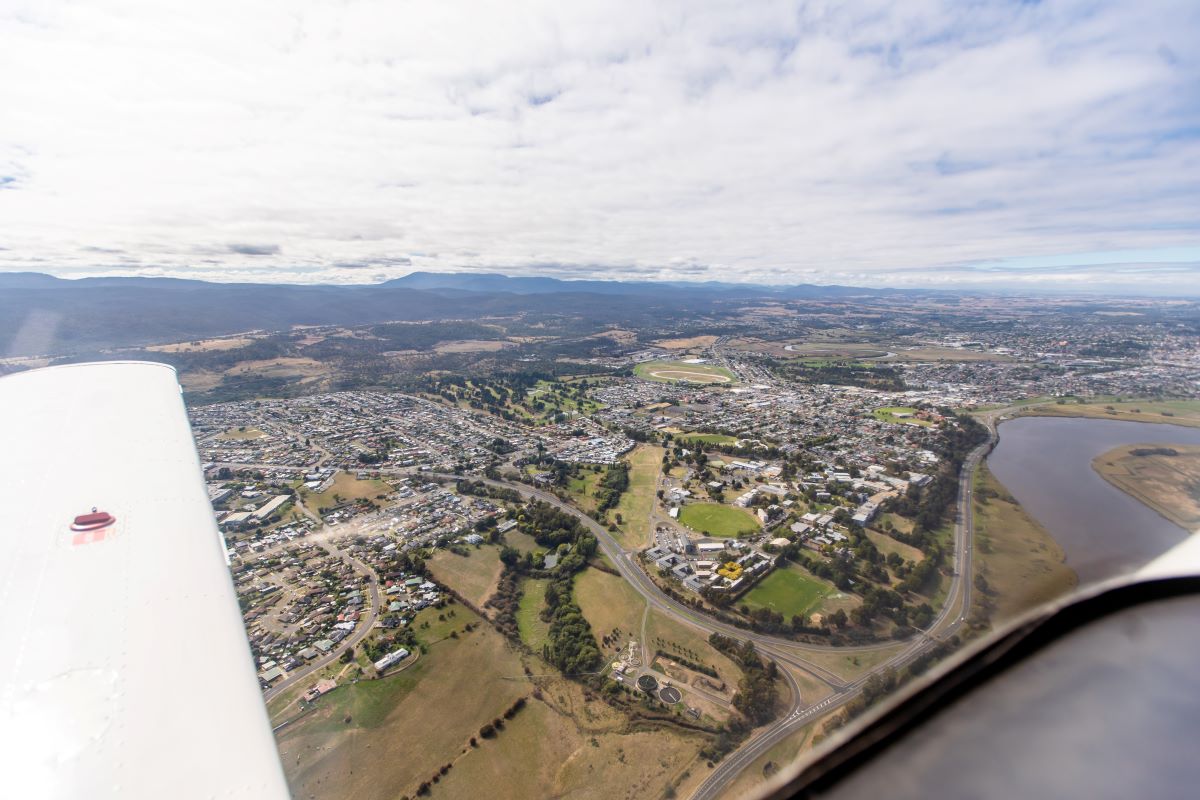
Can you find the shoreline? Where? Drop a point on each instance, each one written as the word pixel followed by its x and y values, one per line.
pixel 1155 481
pixel 1156 412
pixel 1021 563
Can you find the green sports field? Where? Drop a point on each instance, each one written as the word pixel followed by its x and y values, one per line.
pixel 715 519
pixel 789 591
pixel 889 415
pixel 707 438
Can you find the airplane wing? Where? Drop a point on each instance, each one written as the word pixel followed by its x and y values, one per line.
pixel 124 667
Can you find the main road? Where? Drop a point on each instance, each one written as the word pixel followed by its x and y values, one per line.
pixel 952 615
pixel 784 651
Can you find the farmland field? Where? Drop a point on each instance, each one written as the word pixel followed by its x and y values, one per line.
pixel 679 371
pixel 715 519
pixel 686 344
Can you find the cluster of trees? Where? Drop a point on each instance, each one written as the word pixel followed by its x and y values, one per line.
pixel 551 527
pixel 692 665
pixel 612 486
pixel 481 489
pixel 490 729
pixel 505 600
pixel 376 649
pixel 878 601
pixel 843 373
pixel 768 621
pixel 932 505
pixel 757 697
pixel 1154 451
pixel 264 349
pixel 499 393
pixel 572 645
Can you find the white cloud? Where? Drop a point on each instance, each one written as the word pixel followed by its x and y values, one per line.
pixel 763 141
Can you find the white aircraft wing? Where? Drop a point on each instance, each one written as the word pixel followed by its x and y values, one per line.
pixel 124 667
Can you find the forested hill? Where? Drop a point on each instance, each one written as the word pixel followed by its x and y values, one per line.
pixel 43 315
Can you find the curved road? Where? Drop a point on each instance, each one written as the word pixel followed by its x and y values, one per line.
pixel 784 651
pixel 949 619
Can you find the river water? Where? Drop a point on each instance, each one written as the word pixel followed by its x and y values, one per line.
pixel 1046 463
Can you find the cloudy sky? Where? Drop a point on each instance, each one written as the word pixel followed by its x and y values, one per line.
pixel 1052 144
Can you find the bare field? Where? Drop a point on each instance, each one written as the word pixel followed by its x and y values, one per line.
pixel 686 344
pixel 610 605
pixel 1170 484
pixel 345 487
pixel 851 666
pixel 475 576
pixel 202 346
pixel 471 346
pixel 380 742
pixel 636 503
pixel 377 739
pixel 886 544
pixel 281 368
pixel 522 541
pixel 239 434
pixel 200 381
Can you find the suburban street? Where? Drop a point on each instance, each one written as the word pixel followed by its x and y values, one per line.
pixel 789 654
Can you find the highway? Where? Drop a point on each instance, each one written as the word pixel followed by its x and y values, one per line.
pixel 948 621
pixel 786 652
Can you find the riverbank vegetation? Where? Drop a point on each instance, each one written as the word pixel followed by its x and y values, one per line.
pixel 1017 564
pixel 1165 478
pixel 1172 412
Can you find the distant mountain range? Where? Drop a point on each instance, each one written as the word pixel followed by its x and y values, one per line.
pixel 41 314
pixel 495 282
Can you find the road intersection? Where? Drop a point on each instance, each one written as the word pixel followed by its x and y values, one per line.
pixel 789 654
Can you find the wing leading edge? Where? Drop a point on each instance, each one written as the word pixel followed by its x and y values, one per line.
pixel 124 667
